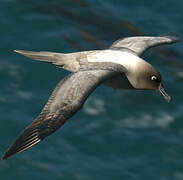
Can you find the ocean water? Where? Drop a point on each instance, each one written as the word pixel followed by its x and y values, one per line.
pixel 129 135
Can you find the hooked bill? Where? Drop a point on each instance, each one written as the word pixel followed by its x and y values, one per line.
pixel 163 92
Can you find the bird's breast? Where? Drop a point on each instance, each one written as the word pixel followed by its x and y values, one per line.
pixel 119 81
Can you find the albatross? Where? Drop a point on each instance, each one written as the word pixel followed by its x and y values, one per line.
pixel 120 67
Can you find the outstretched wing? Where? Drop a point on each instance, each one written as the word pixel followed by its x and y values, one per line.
pixel 139 44
pixel 67 98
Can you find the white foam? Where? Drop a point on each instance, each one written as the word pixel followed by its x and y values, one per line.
pixel 178 175
pixel 13 70
pixel 24 94
pixel 94 106
pixel 162 120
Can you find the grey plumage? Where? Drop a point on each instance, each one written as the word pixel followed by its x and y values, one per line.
pixel 72 61
pixel 66 61
pixel 140 44
pixel 67 98
pixel 118 67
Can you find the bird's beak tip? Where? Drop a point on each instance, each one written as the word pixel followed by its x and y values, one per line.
pixel 163 92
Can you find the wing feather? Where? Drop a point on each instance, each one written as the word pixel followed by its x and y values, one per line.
pixel 139 44
pixel 67 98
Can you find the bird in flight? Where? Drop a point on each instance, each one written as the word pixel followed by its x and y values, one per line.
pixel 120 67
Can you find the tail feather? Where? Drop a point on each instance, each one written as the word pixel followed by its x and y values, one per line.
pixel 41 56
pixel 66 61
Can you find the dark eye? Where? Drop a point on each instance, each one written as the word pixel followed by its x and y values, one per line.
pixel 153 78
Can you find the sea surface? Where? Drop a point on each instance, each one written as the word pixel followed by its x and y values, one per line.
pixel 118 135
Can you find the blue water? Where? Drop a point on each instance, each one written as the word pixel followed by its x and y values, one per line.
pixel 118 134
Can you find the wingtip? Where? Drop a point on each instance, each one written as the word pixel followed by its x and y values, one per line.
pixel 5 156
pixel 173 36
pixel 28 138
pixel 13 150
